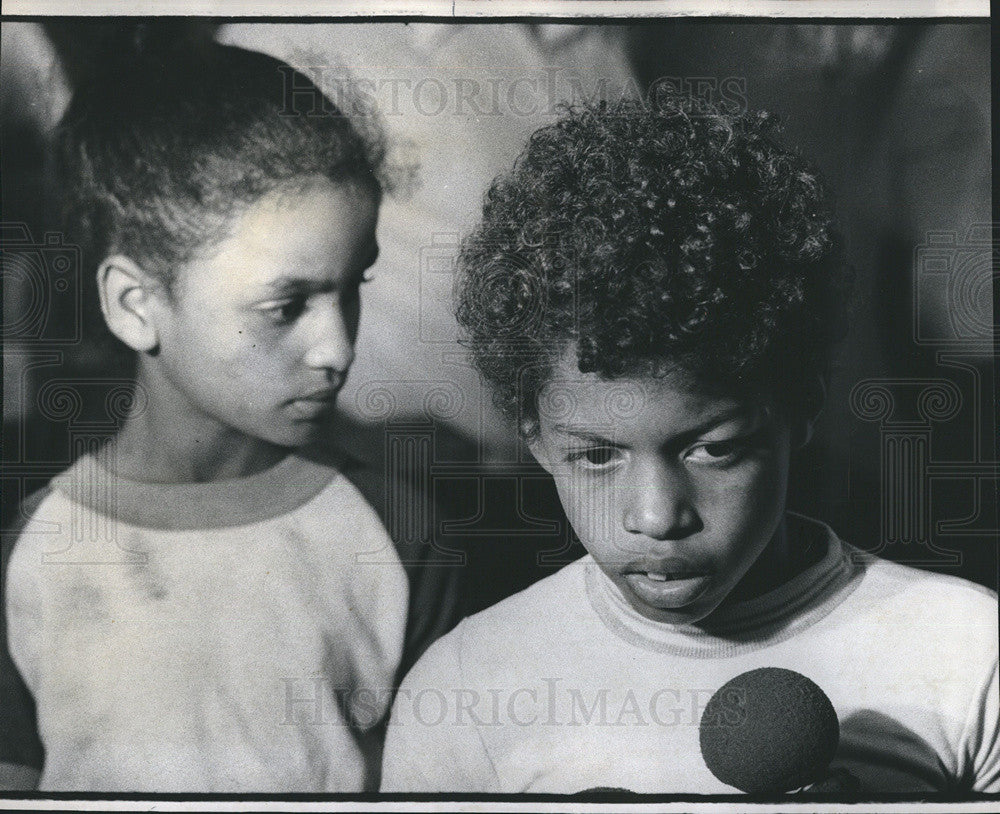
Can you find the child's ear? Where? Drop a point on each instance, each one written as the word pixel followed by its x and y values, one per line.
pixel 126 292
pixel 815 398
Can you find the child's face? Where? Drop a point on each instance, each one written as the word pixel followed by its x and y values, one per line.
pixel 258 334
pixel 673 492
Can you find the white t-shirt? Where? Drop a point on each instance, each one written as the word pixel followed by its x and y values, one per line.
pixel 239 635
pixel 564 687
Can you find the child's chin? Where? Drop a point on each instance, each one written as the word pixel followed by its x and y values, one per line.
pixel 302 436
pixel 293 435
pixel 687 615
pixel 683 616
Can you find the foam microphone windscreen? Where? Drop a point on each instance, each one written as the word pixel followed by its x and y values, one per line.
pixel 769 730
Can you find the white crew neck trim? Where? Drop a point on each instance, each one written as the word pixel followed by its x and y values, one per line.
pixel 739 627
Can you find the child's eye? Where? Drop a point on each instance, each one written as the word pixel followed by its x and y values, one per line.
pixel 596 457
pixel 285 312
pixel 717 452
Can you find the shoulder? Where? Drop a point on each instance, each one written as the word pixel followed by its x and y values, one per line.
pixel 939 592
pixel 25 512
pixel 522 623
pixel 528 626
pixel 441 663
pixel 434 742
pixel 946 613
pixel 343 537
pixel 359 492
pixel 17 537
pixel 21 750
pixel 37 518
pixel 557 595
pixel 337 472
pixel 27 539
pixel 877 584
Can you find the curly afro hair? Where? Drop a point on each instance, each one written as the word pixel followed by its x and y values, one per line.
pixel 649 240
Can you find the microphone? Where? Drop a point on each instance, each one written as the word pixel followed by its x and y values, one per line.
pixel 772 730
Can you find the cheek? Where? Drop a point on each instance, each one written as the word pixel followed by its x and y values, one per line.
pixel 590 508
pixel 230 356
pixel 749 503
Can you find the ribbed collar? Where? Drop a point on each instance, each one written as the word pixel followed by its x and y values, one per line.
pixel 289 484
pixel 744 626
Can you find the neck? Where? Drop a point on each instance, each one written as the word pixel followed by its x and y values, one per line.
pixel 168 441
pixel 776 564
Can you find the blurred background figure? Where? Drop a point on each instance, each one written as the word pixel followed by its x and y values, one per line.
pixel 897 117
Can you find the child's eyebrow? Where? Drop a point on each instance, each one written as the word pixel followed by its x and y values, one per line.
pixel 287 285
pixel 595 438
pixel 290 284
pixel 681 437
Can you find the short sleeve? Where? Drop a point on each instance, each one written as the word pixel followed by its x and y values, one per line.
pixel 433 743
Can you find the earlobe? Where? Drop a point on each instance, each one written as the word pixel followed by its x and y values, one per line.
pixel 126 292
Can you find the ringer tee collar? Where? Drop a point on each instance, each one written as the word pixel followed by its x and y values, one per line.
pixel 292 482
pixel 743 626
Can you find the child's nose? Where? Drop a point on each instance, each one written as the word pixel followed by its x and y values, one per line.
pixel 659 504
pixel 332 344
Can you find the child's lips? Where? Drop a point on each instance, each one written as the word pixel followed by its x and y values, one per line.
pixel 666 583
pixel 314 404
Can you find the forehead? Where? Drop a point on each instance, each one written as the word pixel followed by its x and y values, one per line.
pixel 316 231
pixel 659 405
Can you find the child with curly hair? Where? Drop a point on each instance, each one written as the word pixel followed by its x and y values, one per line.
pixel 653 295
